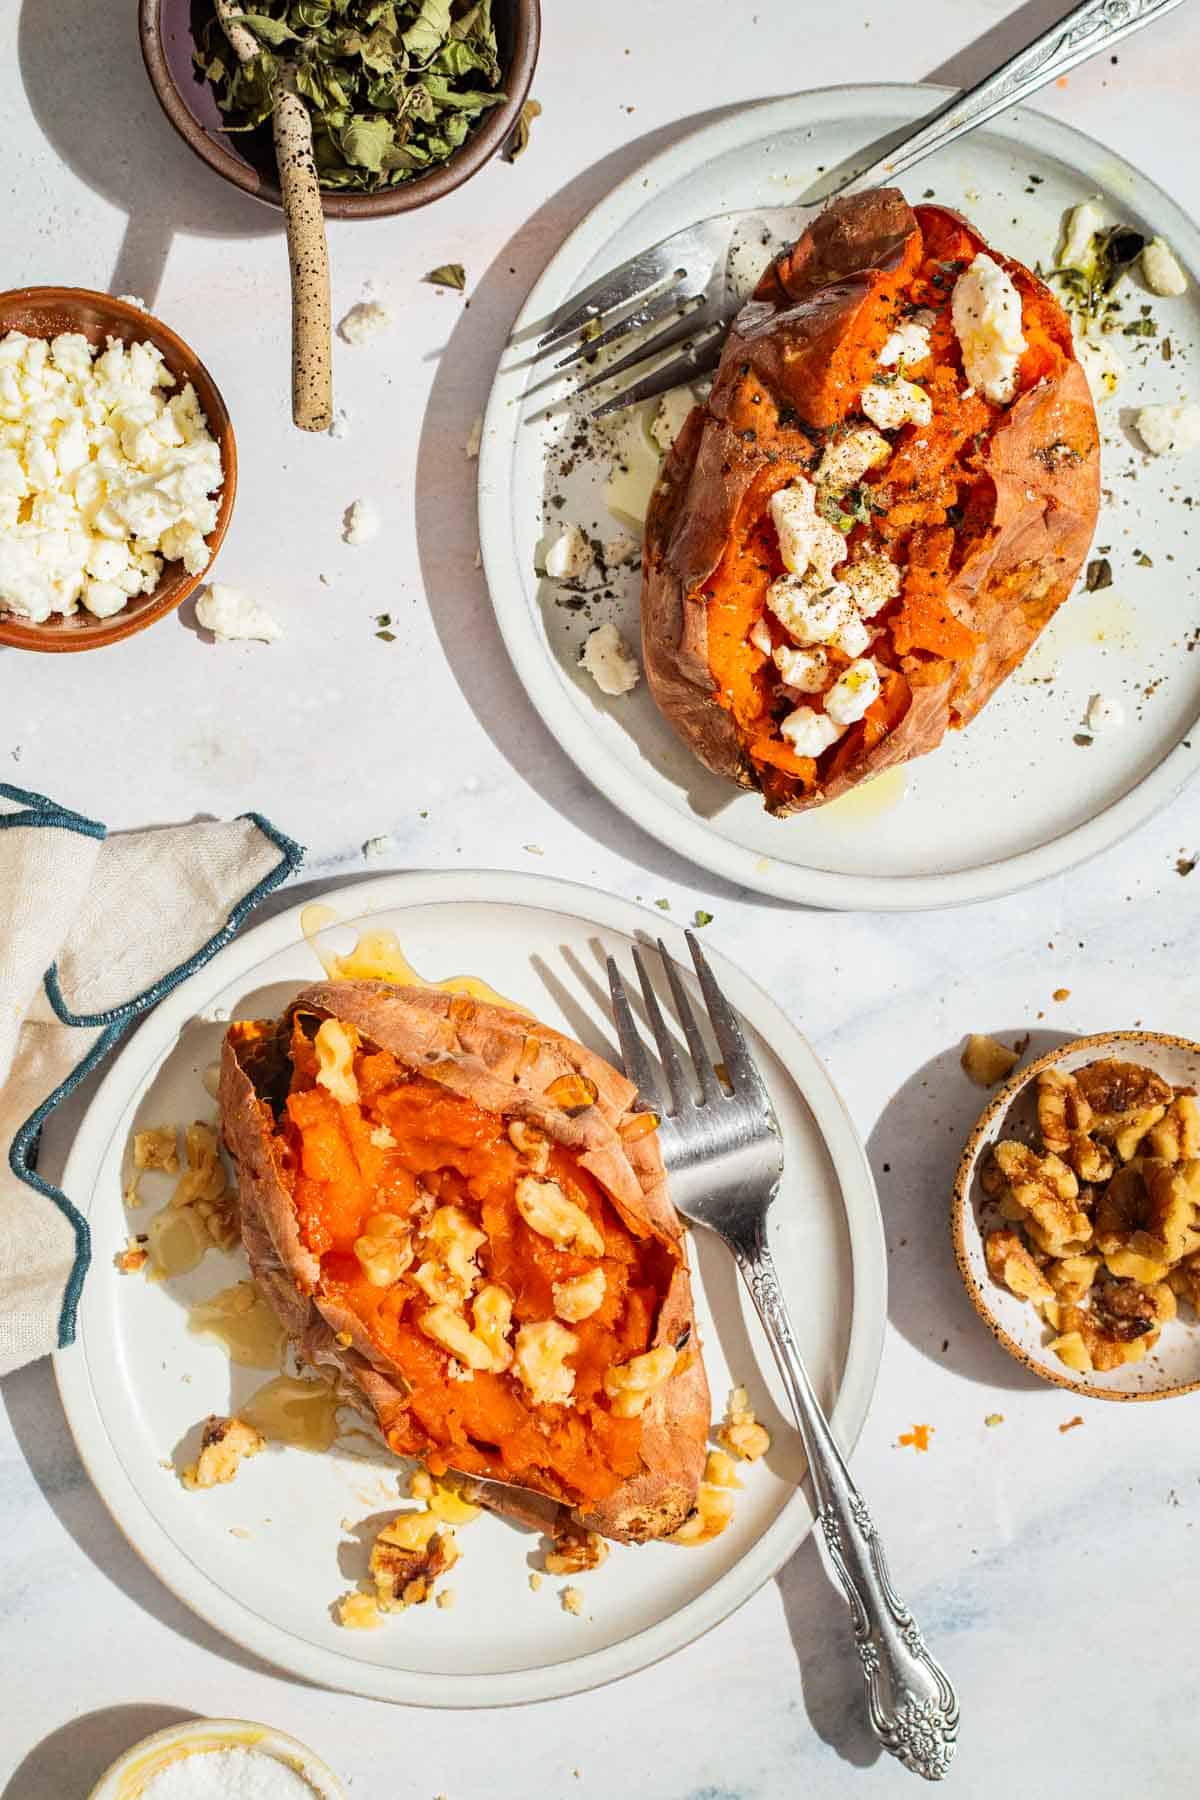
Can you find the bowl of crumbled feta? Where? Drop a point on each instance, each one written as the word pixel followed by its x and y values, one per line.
pixel 219 1759
pixel 117 469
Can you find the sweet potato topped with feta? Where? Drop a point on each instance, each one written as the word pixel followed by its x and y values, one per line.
pixel 890 490
pixel 457 1208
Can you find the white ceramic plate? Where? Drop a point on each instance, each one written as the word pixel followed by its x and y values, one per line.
pixel 1014 798
pixel 264 1558
pixel 1173 1366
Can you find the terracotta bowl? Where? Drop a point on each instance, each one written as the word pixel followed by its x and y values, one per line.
pixel 165 27
pixel 46 311
pixel 1173 1366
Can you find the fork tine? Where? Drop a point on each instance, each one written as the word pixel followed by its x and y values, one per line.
pixel 694 324
pixel 709 1084
pixel 688 367
pixel 681 1091
pixel 639 1064
pixel 661 307
pixel 617 288
pixel 744 1077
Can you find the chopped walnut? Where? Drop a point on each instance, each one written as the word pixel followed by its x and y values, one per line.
pixel 572 1600
pixel 225 1445
pixel 1042 1192
pixel 1126 1100
pixel 575 1550
pixel 446 1598
pixel 1176 1137
pixel 1011 1264
pixel 1146 1212
pixel 740 1432
pixel 408 1556
pixel 713 1512
pixel 157 1148
pixel 1064 1119
pixel 986 1061
pixel 720 1470
pixel 359 1612
pixel 535 1580
pixel 131 1259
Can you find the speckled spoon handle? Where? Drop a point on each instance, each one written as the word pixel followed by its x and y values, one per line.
pixel 308 254
pixel 308 251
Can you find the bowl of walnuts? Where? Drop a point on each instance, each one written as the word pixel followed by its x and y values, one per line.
pixel 1076 1216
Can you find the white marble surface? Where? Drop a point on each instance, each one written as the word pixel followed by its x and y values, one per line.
pixel 1055 1573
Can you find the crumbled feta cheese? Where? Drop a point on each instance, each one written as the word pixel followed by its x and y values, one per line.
pixel 230 613
pixel 909 343
pixel 805 670
pixel 1162 269
pixel 1169 428
pixel 1104 714
pixel 364 321
pixel 809 732
pixel 1083 222
pixel 806 541
pixel 673 409
pixel 102 477
pixel 986 311
pixel 855 689
pixel 475 437
pixel 609 661
pixel 873 580
pixel 340 424
pixel 813 614
pixel 621 550
pixel 891 404
pixel 134 300
pixel 361 523
pixel 759 635
pixel 570 555
pixel 848 458
pixel 748 258
pixel 1101 364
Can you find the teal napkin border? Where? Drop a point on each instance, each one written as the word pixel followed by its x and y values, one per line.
pixel 37 811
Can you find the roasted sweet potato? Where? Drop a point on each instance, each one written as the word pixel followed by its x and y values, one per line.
pixel 456 1208
pixel 890 490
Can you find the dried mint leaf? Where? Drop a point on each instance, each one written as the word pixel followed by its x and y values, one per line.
pixel 518 143
pixel 394 86
pixel 449 275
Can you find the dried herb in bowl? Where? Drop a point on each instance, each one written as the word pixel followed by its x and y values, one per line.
pixel 393 86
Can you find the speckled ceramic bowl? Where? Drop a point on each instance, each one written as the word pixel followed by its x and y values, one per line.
pixel 165 27
pixel 131 1774
pixel 1173 1366
pixel 46 311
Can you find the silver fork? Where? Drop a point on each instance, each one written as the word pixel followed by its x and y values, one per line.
pixel 687 279
pixel 725 1158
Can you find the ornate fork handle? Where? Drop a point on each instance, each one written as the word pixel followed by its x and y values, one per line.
pixel 913 1708
pixel 1096 25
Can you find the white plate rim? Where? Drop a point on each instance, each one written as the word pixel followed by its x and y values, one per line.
pixel 531 656
pixel 275 1645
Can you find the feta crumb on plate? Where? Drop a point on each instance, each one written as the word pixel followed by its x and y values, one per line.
pixel 361 523
pixel 229 613
pixel 340 424
pixel 621 550
pixel 1083 222
pixel 365 320
pixel 570 555
pixel 1101 364
pixel 1174 427
pixel 1162 269
pixel 1104 713
pixel 667 422
pixel 609 661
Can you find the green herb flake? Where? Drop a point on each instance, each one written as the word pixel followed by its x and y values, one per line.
pixel 702 918
pixel 387 637
pixel 1145 328
pixel 394 87
pixel 518 143
pixel 383 618
pixel 1142 560
pixel 663 905
pixel 1099 575
pixel 449 275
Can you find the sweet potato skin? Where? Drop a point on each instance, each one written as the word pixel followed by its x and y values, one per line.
pixel 1043 460
pixel 479 1051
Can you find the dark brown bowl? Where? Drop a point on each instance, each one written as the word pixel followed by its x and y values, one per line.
pixel 165 27
pixel 46 311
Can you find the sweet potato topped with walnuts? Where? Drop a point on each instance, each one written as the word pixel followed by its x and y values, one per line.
pixel 890 490
pixel 457 1209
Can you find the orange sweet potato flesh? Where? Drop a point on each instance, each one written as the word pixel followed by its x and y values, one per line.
pixel 313 1170
pixel 987 512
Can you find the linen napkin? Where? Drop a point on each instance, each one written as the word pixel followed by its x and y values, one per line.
pixel 94 930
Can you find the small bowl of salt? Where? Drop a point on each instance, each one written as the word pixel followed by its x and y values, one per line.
pixel 219 1759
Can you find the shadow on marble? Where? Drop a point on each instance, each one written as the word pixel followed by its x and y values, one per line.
pixel 445 510
pixel 831 1676
pixel 73 1758
pixel 92 99
pixel 31 1401
pixel 993 47
pixel 914 1152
